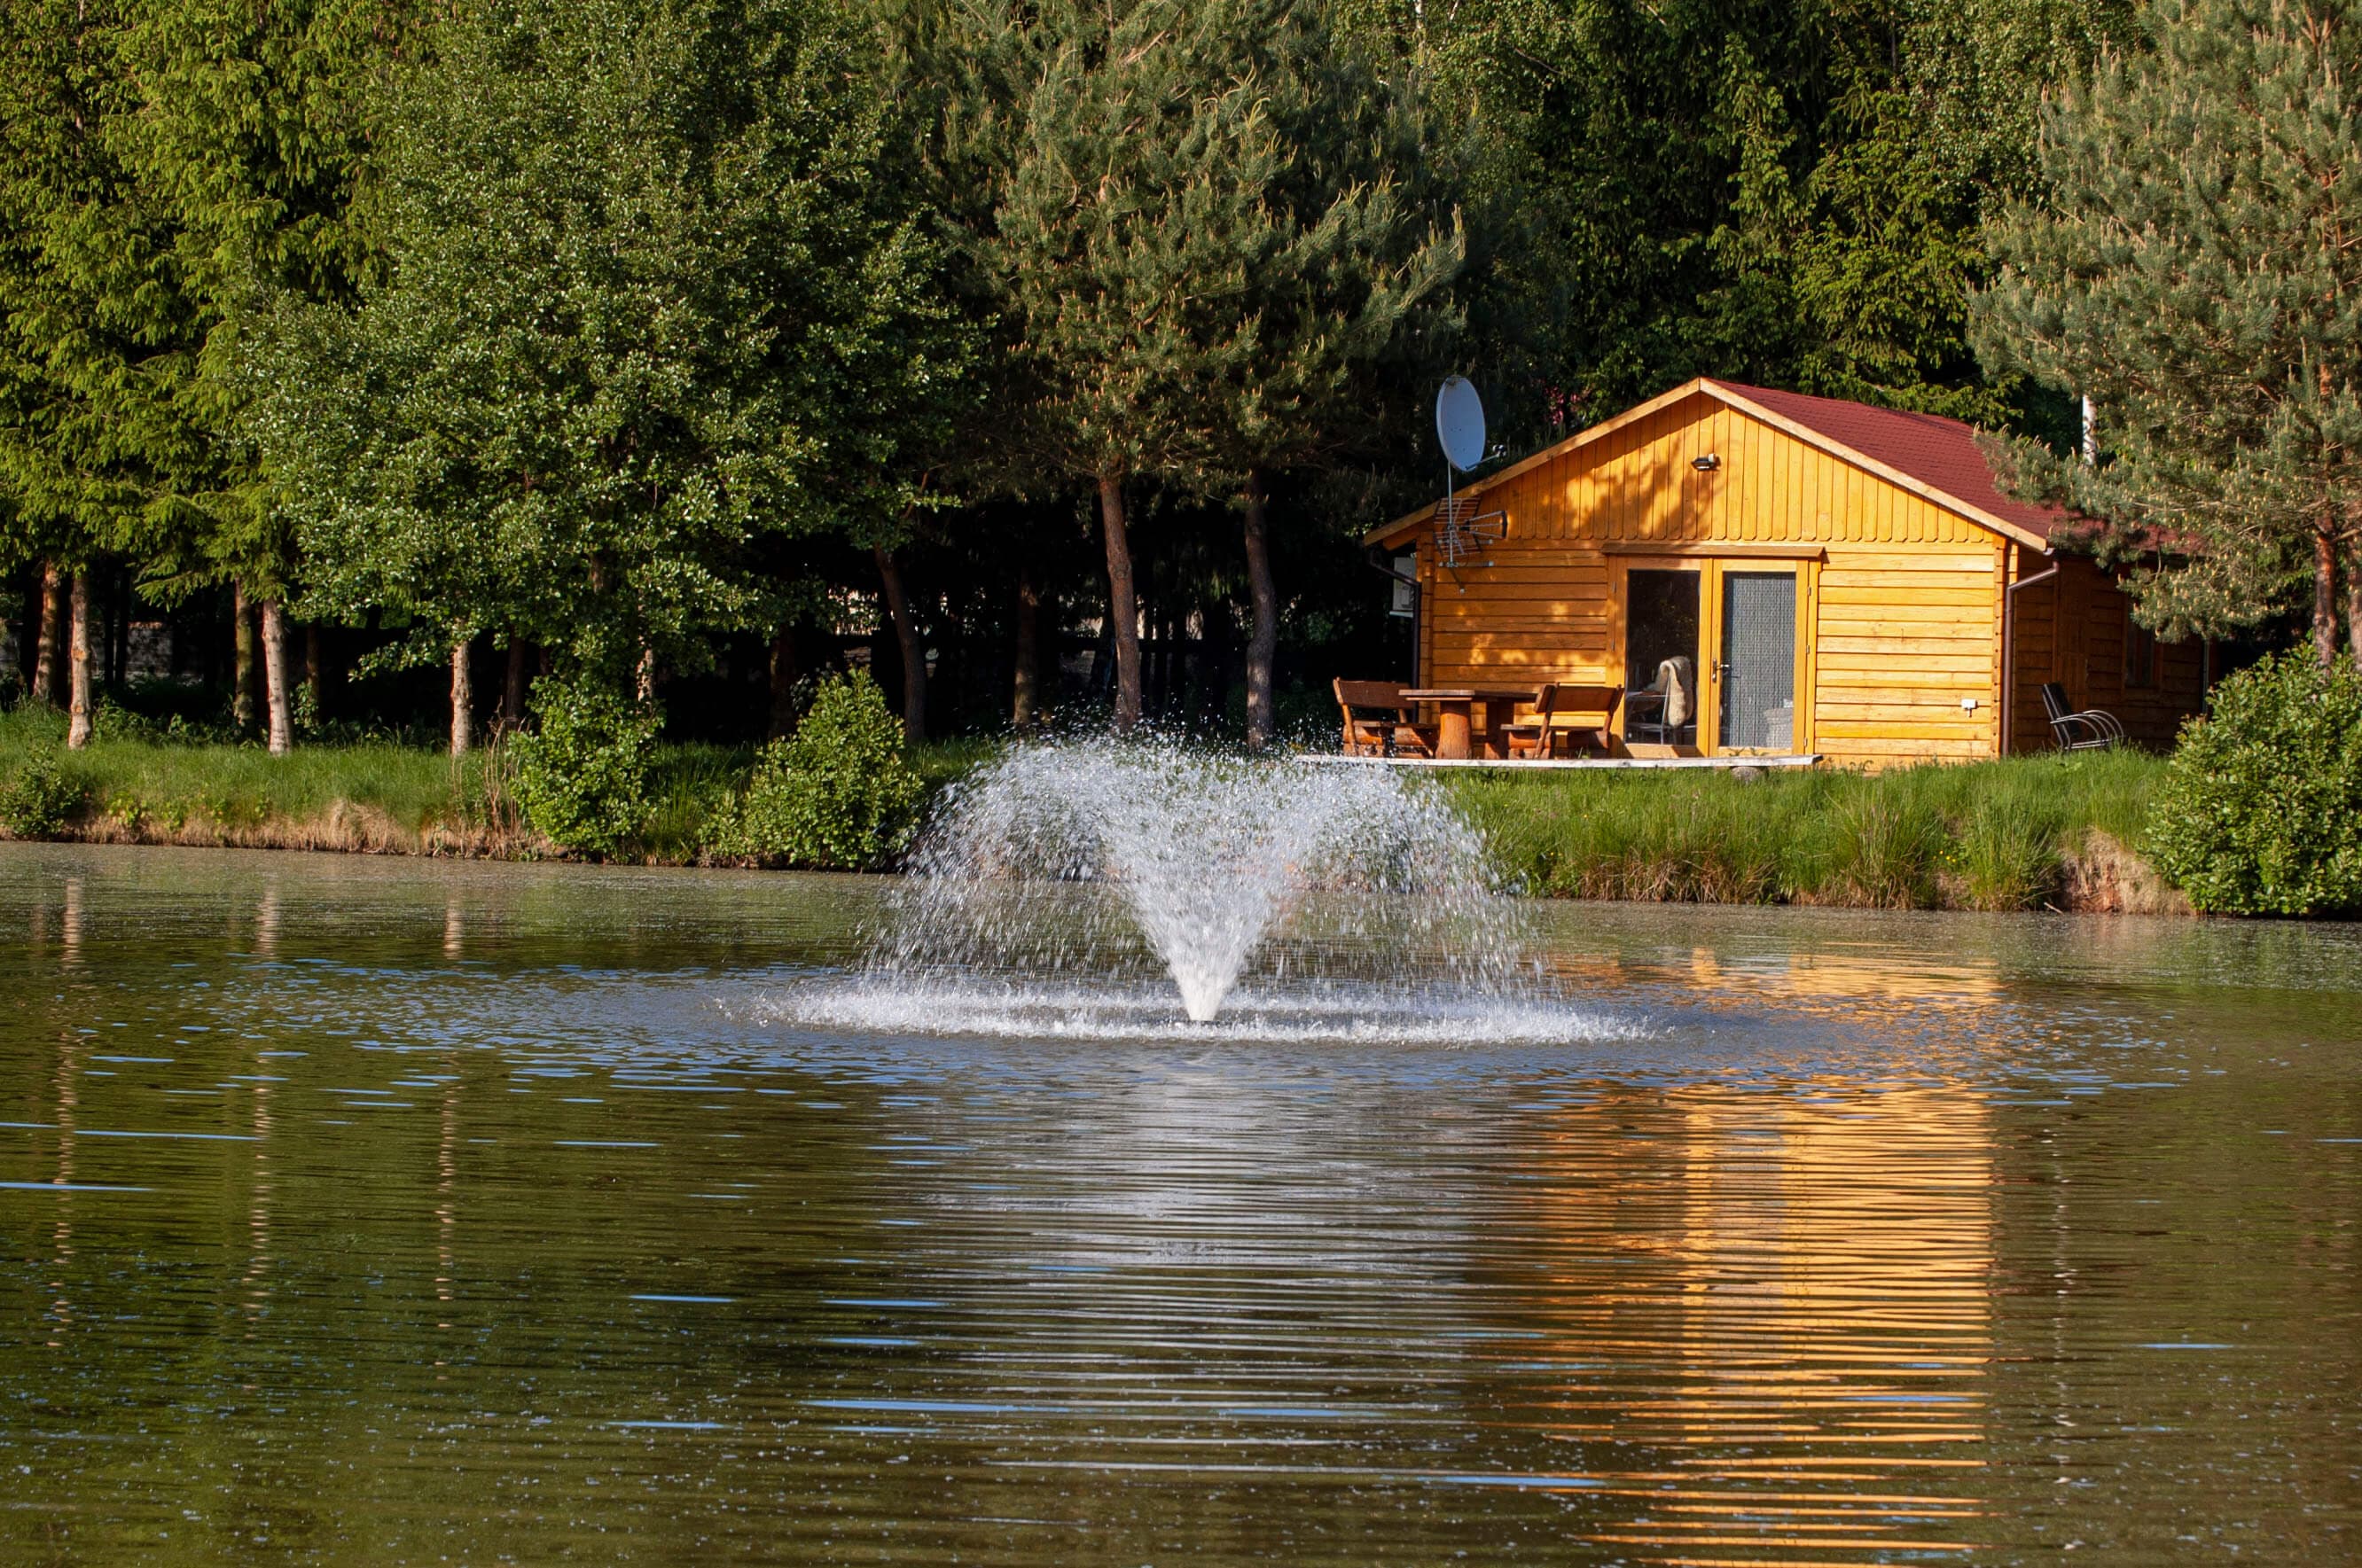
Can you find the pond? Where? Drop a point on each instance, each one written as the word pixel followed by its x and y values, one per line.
pixel 405 1211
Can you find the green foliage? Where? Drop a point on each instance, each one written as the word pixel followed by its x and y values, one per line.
pixel 583 773
pixel 2261 809
pixel 38 796
pixel 840 795
pixel 650 299
pixel 2189 267
pixel 1781 193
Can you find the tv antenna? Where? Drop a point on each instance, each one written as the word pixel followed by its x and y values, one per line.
pixel 1461 532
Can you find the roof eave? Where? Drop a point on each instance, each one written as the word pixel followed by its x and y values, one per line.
pixel 1531 460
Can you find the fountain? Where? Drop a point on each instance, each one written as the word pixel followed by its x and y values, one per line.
pixel 1202 857
pixel 1115 891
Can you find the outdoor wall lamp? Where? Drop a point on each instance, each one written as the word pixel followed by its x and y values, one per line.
pixel 1707 463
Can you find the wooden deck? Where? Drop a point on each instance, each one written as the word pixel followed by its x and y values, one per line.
pixel 1799 760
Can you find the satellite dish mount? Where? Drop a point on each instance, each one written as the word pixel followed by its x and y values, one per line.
pixel 1461 532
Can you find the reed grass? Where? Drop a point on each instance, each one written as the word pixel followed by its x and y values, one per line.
pixel 2024 833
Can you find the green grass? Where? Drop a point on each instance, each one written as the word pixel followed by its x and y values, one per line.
pixel 142 784
pixel 2002 834
pixel 138 781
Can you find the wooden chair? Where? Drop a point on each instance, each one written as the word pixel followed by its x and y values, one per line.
pixel 2093 730
pixel 1378 722
pixel 1539 736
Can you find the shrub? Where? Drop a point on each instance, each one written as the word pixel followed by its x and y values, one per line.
pixel 2261 809
pixel 38 798
pixel 840 795
pixel 582 776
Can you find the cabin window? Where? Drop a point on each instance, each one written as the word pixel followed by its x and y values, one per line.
pixel 2140 656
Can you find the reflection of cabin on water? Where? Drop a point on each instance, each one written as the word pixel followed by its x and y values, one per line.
pixel 1843 579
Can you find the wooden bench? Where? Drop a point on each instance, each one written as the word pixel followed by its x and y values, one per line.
pixel 1378 721
pixel 1556 708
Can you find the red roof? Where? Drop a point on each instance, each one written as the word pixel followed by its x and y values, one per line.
pixel 1939 452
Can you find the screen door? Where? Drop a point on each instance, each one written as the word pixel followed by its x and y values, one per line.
pixel 1758 669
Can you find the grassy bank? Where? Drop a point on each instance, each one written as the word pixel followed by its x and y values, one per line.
pixel 377 797
pixel 2026 833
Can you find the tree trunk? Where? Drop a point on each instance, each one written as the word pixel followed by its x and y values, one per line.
pixel 1123 604
pixel 2354 605
pixel 121 660
pixel 513 685
pixel 914 657
pixel 78 727
pixel 316 673
pixel 783 684
pixel 242 693
pixel 49 648
pixel 276 697
pixel 463 701
pixel 1263 640
pixel 2324 597
pixel 1025 682
pixel 644 687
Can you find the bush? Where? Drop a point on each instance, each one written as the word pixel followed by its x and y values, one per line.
pixel 583 775
pixel 38 798
pixel 840 795
pixel 2261 809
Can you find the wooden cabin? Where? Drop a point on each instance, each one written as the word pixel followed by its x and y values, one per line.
pixel 1845 580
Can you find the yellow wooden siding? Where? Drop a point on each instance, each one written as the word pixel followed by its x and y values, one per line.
pixel 1905 598
pixel 2072 628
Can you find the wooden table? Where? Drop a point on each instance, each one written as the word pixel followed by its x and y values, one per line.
pixel 1454 707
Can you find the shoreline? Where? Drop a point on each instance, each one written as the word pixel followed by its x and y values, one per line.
pixel 2100 877
pixel 2031 833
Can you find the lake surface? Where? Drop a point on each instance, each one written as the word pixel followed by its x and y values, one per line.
pixel 356 1210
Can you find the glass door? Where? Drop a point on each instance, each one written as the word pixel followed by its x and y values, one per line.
pixel 1753 677
pixel 1661 614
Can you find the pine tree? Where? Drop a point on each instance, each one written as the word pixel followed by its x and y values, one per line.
pixel 1113 161
pixel 2194 270
pixel 1347 254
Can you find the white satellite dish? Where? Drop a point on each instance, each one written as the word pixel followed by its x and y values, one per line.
pixel 1459 422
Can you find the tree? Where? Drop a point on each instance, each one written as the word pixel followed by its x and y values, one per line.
pixel 250 138
pixel 2192 270
pixel 1785 192
pixel 96 326
pixel 643 306
pixel 1346 253
pixel 1118 155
